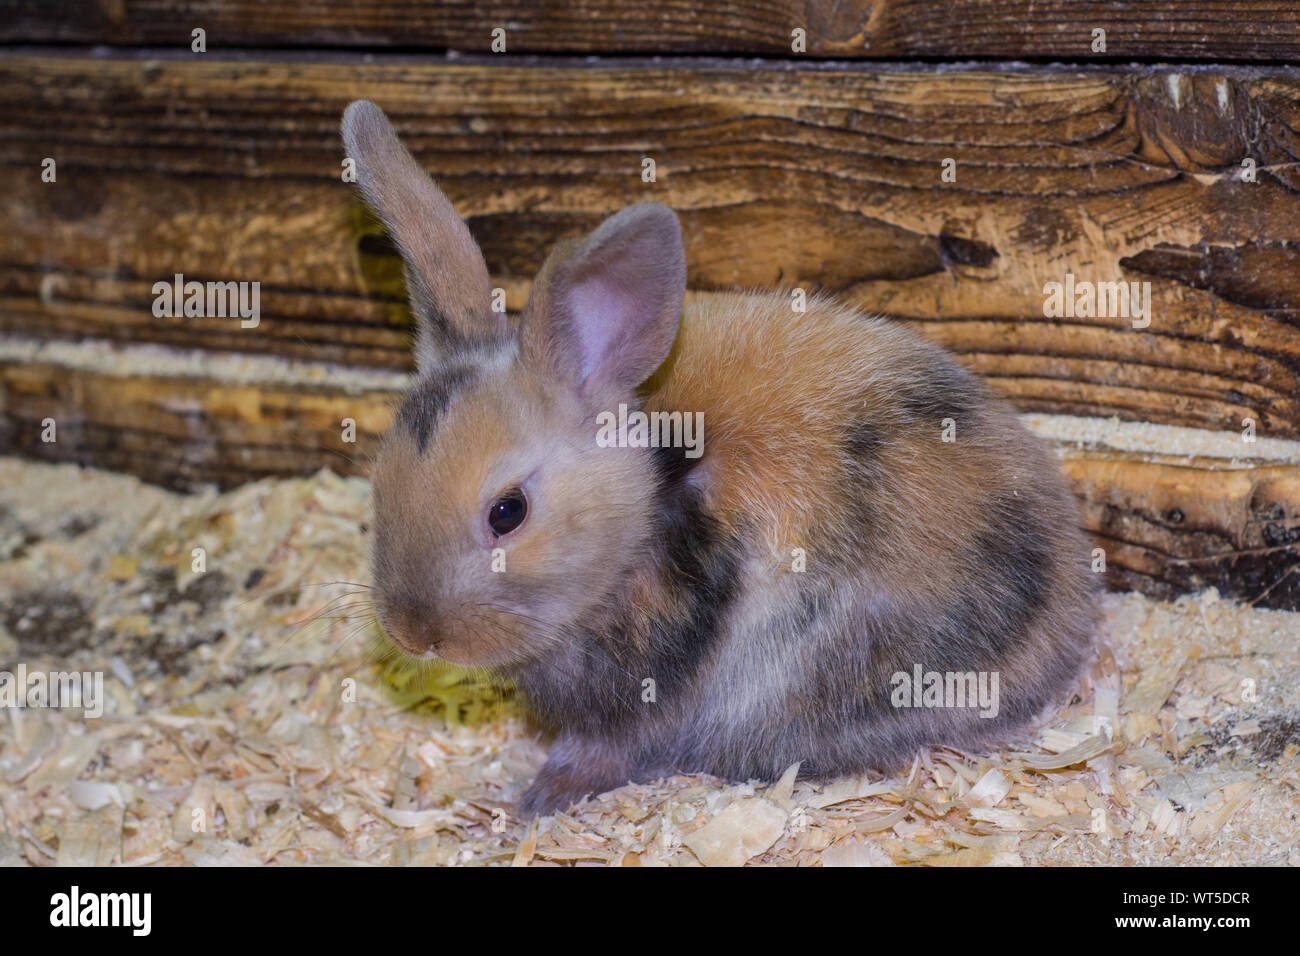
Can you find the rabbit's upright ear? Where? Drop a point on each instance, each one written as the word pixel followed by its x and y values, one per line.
pixel 445 272
pixel 603 312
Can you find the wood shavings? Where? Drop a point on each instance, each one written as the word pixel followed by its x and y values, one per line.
pixel 989 790
pixel 93 840
pixel 1042 806
pixel 1001 851
pixel 854 853
pixel 849 788
pixel 1245 728
pixel 93 794
pixel 1193 789
pixel 1237 794
pixel 1080 753
pixel 1155 686
pixel 1167 820
pixel 743 830
pixel 65 763
pixel 781 793
pixel 243 726
pixel 1058 741
pixel 32 756
pixel 527 847
pixel 885 821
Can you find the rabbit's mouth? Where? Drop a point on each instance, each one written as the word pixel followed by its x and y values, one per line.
pixel 477 637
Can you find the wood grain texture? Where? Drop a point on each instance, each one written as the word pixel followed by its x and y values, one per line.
pixel 823 178
pixel 952 29
pixel 185 432
pixel 1172 527
pixel 1166 526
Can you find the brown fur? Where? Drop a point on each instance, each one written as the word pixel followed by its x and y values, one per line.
pixel 641 568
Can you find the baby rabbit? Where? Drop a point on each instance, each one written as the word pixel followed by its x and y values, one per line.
pixel 866 515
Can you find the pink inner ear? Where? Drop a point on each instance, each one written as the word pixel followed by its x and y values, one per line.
pixel 601 316
pixel 618 299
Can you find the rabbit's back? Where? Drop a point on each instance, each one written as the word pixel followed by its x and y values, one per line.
pixel 881 512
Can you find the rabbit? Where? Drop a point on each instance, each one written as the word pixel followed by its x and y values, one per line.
pixel 862 514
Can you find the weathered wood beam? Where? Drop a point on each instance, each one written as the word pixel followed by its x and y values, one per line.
pixel 825 178
pixel 953 29
pixel 1169 528
pixel 185 432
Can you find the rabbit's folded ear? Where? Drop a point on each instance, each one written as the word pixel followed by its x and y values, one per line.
pixel 445 272
pixel 604 310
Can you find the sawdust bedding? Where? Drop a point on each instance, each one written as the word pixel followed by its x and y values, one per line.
pixel 249 718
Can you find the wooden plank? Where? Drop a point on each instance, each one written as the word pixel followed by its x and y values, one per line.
pixel 953 29
pixel 185 432
pixel 1166 526
pixel 1172 528
pixel 826 178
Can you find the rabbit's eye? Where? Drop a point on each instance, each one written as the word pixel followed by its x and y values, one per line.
pixel 507 512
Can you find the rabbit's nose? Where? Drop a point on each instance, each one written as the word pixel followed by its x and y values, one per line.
pixel 412 629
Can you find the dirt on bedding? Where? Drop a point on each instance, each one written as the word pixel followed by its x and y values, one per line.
pixel 250 716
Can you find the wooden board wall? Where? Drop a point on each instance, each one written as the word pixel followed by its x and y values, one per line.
pixel 829 179
pixel 952 29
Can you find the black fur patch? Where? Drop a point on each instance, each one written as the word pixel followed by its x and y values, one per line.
pixel 443 336
pixel 1000 597
pixel 702 563
pixel 942 390
pixel 1018 551
pixel 811 604
pixel 1004 591
pixel 426 402
pixel 863 444
pixel 673 466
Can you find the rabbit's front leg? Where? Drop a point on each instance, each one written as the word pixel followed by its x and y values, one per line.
pixel 576 768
